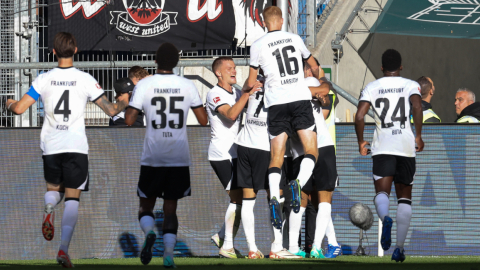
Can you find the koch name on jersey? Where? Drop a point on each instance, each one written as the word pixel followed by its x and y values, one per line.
pixel 390 98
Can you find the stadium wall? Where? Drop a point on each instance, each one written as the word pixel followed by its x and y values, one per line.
pixel 446 197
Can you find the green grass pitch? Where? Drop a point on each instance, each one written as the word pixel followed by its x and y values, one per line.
pixel 343 262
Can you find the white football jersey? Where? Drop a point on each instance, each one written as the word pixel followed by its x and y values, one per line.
pixel 389 97
pixel 224 131
pixel 323 136
pixel 280 55
pixel 166 100
pixel 254 134
pixel 65 93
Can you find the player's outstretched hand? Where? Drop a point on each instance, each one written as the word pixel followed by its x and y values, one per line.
pixel 362 148
pixel 256 87
pixel 420 144
pixel 324 100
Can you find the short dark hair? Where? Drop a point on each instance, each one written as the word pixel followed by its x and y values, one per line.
pixel 425 86
pixel 137 72
pixel 391 60
pixel 219 61
pixel 167 56
pixel 64 45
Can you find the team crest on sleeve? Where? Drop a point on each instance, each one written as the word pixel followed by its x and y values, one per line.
pixel 98 86
pixel 143 18
pixel 216 100
pixel 419 90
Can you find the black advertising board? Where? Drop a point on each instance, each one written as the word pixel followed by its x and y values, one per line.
pixel 142 25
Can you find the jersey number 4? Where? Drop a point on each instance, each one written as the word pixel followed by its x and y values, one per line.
pixel 288 61
pixel 399 108
pixel 66 109
pixel 163 116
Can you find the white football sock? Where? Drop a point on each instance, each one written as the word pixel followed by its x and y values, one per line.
pixel 306 168
pixel 169 242
pixel 330 233
pixel 404 215
pixel 382 203
pixel 248 221
pixel 274 183
pixel 69 219
pixel 238 219
pixel 277 244
pixel 53 197
pixel 323 216
pixel 295 224
pixel 230 220
pixel 147 223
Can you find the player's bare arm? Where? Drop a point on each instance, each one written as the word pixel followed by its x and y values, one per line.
pixel 252 78
pixel 316 69
pixel 19 107
pixel 362 110
pixel 110 108
pixel 201 115
pixel 417 113
pixel 131 116
pixel 235 110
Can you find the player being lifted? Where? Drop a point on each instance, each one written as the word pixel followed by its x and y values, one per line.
pixel 224 105
pixel 393 146
pixel 280 55
pixel 321 185
pixel 253 160
pixel 166 100
pixel 65 92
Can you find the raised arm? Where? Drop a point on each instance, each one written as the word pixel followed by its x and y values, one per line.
pixel 110 108
pixel 19 107
pixel 417 113
pixel 316 69
pixel 232 112
pixel 250 82
pixel 362 110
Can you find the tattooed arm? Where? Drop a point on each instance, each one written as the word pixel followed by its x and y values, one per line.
pixel 112 108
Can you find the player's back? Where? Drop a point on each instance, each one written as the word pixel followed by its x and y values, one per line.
pixel 65 93
pixel 166 100
pixel 280 55
pixel 390 98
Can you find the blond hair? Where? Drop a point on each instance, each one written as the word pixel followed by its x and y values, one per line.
pixel 272 13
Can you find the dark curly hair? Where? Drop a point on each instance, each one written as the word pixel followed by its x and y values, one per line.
pixel 167 56
pixel 391 60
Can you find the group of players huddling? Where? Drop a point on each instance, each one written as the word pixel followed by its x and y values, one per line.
pixel 283 98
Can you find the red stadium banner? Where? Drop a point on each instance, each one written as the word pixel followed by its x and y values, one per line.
pixel 141 25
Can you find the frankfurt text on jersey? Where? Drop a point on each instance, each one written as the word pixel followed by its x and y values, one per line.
pixel 279 42
pixel 390 91
pixel 166 90
pixel 63 83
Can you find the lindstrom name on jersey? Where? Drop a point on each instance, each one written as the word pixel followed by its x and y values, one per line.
pixel 254 134
pixel 224 131
pixel 166 100
pixel 280 55
pixel 390 98
pixel 323 136
pixel 65 93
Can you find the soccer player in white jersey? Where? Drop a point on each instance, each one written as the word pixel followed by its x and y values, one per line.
pixel 323 181
pixel 65 92
pixel 280 55
pixel 166 99
pixel 393 147
pixel 253 153
pixel 224 105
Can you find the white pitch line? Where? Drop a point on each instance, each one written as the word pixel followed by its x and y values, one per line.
pixel 469 14
pixel 474 22
pixel 461 8
pixel 442 10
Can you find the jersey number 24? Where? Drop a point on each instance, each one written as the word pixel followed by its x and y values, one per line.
pixel 400 108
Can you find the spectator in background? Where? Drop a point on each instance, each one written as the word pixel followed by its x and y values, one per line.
pixel 126 85
pixel 427 89
pixel 468 111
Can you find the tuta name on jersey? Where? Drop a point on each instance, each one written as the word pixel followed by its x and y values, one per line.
pixel 166 90
pixel 279 42
pixel 63 83
pixel 289 81
pixel 256 122
pixel 390 91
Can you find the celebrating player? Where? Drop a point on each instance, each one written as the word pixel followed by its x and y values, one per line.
pixel 224 105
pixel 280 55
pixel 166 99
pixel 393 146
pixel 253 159
pixel 65 92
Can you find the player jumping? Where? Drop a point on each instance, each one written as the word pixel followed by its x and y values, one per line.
pixel 166 100
pixel 280 55
pixel 65 92
pixel 393 146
